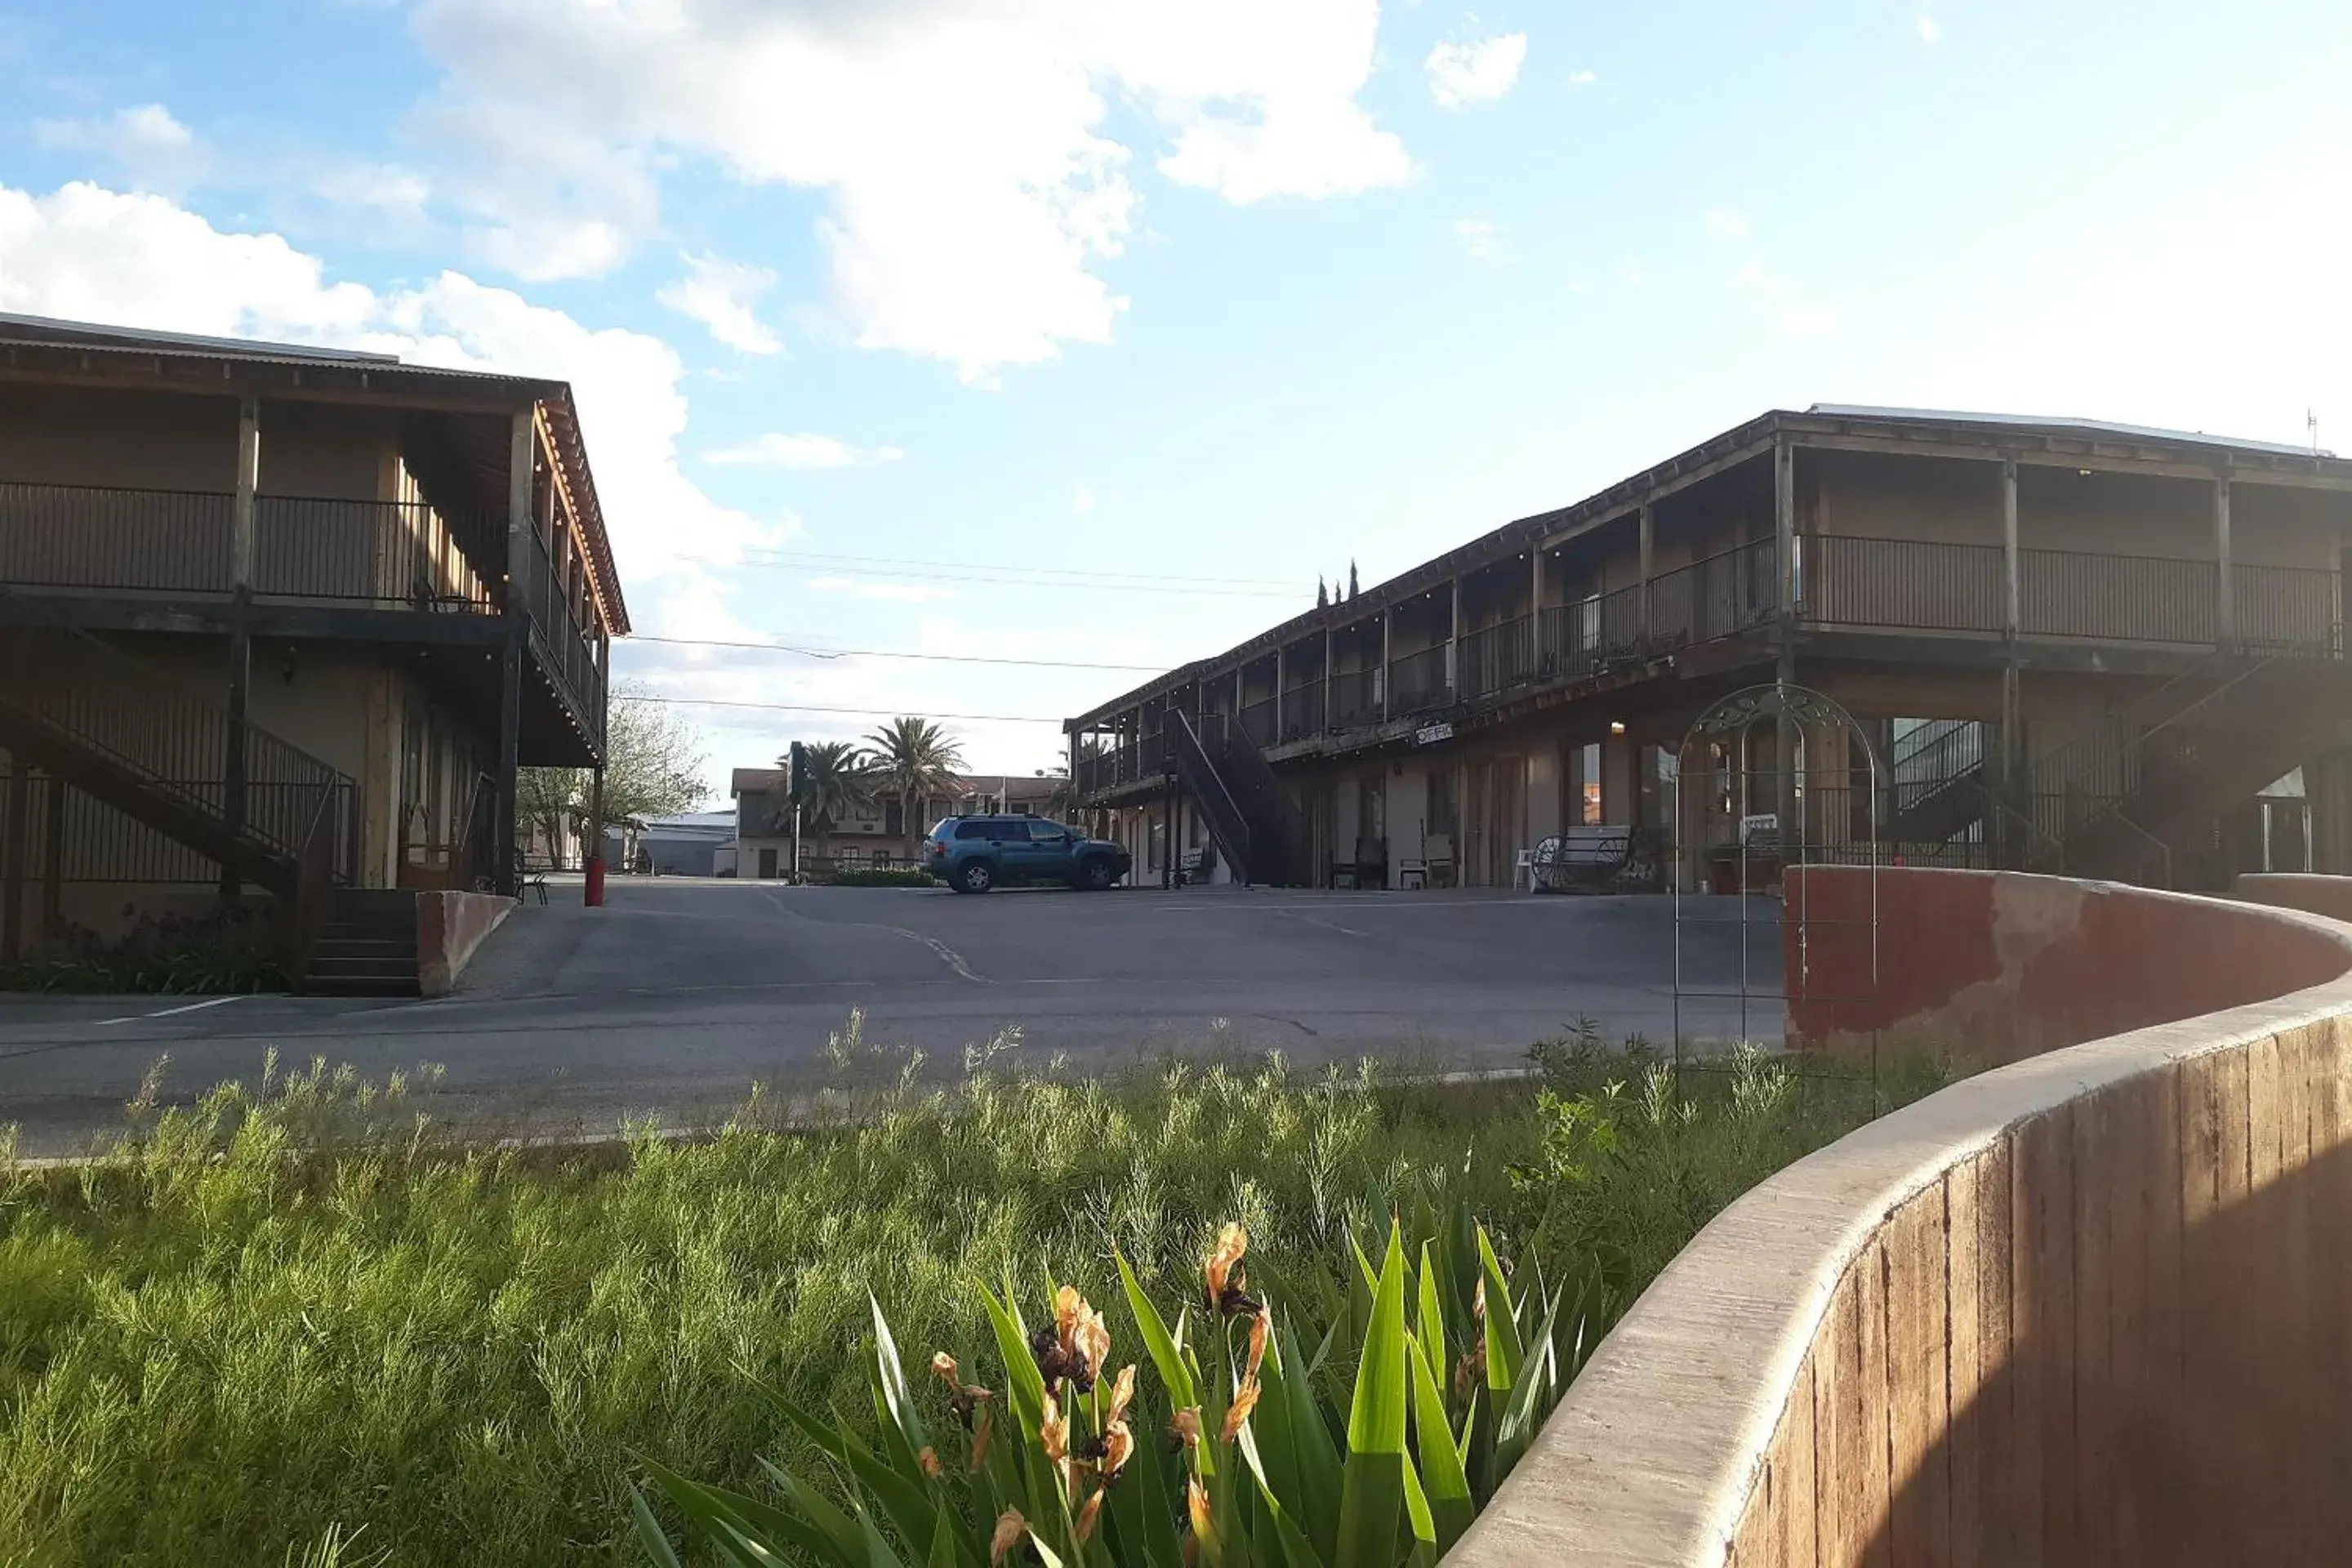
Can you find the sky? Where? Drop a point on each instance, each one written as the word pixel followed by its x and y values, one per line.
pixel 1058 341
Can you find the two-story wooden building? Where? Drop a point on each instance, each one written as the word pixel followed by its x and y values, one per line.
pixel 2069 644
pixel 270 613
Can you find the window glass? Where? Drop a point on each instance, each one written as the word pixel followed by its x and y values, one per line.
pixel 971 830
pixel 1044 832
pixel 1009 830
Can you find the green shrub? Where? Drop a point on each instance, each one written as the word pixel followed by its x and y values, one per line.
pixel 230 949
pixel 1270 1456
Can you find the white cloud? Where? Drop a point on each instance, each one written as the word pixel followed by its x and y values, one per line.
pixel 1582 78
pixel 1756 277
pixel 970 189
pixel 1805 321
pixel 1475 70
pixel 141 260
pixel 382 189
pixel 1722 223
pixel 1481 239
pixel 1931 32
pixel 802 450
pixel 143 145
pixel 718 294
pixel 1082 503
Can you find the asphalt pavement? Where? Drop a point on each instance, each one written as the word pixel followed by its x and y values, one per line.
pixel 673 1000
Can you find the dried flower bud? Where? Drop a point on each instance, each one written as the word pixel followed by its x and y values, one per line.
pixel 1186 1426
pixel 1122 1394
pixel 1236 1413
pixel 929 1459
pixel 1119 1446
pixel 944 1367
pixel 1232 1242
pixel 1010 1528
pixel 980 1440
pixel 1196 1503
pixel 1261 1326
pixel 1088 1515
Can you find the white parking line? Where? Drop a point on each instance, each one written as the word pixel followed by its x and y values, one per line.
pixel 191 1007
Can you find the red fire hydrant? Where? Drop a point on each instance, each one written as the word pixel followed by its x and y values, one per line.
pixel 596 882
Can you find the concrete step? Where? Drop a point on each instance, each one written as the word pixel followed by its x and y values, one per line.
pixel 401 949
pixel 361 985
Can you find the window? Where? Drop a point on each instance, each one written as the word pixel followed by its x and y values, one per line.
pixel 894 819
pixel 1585 807
pixel 1441 801
pixel 971 829
pixel 1044 832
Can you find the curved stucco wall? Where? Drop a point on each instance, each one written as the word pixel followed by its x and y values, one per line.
pixel 2087 1308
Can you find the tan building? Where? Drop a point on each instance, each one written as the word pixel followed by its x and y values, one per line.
pixel 2068 644
pixel 764 832
pixel 270 613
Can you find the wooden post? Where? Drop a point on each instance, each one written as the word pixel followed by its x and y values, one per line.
pixel 1331 719
pixel 11 882
pixel 2225 586
pixel 1649 552
pixel 1388 615
pixel 241 549
pixel 521 461
pixel 1454 640
pixel 1281 680
pixel 2012 617
pixel 53 858
pixel 1784 535
pixel 1536 604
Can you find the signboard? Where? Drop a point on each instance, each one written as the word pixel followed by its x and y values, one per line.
pixel 1431 735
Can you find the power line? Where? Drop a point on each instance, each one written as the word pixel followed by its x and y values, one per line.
pixel 1145 577
pixel 983 578
pixel 855 712
pixel 883 653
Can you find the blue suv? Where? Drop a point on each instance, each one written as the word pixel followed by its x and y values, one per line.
pixel 973 854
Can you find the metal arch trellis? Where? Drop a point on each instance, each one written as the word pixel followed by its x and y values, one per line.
pixel 1724 734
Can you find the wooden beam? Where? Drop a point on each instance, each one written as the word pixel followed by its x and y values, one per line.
pixel 246 379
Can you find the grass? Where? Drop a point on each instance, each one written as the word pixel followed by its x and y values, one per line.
pixel 305 1313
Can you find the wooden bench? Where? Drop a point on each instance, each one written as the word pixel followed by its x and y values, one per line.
pixel 1584 860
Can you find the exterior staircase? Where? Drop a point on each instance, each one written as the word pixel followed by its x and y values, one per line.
pixel 88 713
pixel 2135 796
pixel 366 946
pixel 1939 774
pixel 1249 813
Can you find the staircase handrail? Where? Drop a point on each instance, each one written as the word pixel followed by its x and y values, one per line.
pixel 1231 806
pixel 314 882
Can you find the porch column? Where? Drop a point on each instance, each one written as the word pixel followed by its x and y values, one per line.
pixel 2225 587
pixel 17 849
pixel 522 448
pixel 2010 618
pixel 1453 641
pixel 1281 682
pixel 53 858
pixel 1331 719
pixel 1648 527
pixel 1784 536
pixel 1387 616
pixel 1536 604
pixel 241 537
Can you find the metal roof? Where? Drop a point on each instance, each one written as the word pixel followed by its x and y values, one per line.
pixel 2069 426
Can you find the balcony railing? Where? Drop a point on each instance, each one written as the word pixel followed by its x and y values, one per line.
pixel 1355 698
pixel 2284 609
pixel 1302 711
pixel 1844 581
pixel 1909 583
pixel 403 554
pixel 398 554
pixel 1257 721
pixel 2115 598
pixel 1417 682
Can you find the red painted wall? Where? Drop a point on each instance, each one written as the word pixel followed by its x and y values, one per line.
pixel 1998 965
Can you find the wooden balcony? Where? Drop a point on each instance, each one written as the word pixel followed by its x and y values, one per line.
pixel 395 561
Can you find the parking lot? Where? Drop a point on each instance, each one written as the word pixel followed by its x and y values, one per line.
pixel 675 998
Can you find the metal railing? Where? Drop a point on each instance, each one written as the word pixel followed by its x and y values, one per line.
pixel 177 746
pixel 1257 721
pixel 1496 658
pixel 1302 711
pixel 2116 598
pixel 559 634
pixel 1418 682
pixel 1913 584
pixel 1576 639
pixel 1719 596
pixel 402 554
pixel 2287 609
pixel 80 536
pixel 1355 698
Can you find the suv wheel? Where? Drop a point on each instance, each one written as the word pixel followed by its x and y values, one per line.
pixel 1095 875
pixel 974 877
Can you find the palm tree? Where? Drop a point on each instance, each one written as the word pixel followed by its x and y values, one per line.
pixel 837 779
pixel 914 759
